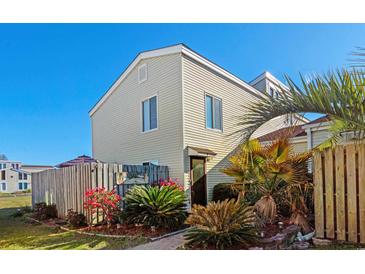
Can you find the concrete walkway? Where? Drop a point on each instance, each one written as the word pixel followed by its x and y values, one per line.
pixel 168 243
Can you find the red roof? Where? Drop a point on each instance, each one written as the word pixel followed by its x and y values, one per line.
pixel 294 131
pixel 290 132
pixel 79 160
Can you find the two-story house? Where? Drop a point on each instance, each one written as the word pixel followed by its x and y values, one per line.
pixel 172 106
pixel 16 177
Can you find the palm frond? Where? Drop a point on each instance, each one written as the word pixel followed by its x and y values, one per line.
pixel 339 94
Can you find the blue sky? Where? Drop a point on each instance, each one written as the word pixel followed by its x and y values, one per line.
pixel 52 74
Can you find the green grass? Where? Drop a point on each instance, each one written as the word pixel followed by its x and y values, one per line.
pixel 18 233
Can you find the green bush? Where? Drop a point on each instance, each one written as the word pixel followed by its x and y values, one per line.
pixel 221 225
pixel 42 211
pixel 225 191
pixel 163 206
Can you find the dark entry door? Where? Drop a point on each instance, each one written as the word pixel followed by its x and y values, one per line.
pixel 198 180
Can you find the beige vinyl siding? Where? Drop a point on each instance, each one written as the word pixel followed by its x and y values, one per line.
pixel 198 81
pixel 319 136
pixel 300 147
pixel 117 125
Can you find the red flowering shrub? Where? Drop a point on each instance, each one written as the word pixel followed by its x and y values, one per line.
pixel 170 182
pixel 105 201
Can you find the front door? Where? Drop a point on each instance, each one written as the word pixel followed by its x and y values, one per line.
pixel 198 181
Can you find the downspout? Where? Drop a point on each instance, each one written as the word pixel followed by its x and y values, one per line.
pixel 309 147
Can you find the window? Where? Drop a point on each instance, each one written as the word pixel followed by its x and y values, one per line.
pixel 142 73
pixel 25 176
pixel 22 186
pixel 3 175
pixel 149 114
pixel 213 112
pixel 20 176
pixel 3 187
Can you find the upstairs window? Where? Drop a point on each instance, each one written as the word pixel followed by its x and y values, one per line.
pixel 3 175
pixel 142 73
pixel 25 176
pixel 213 112
pixel 149 114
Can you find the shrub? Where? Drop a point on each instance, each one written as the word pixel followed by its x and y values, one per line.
pixel 75 219
pixel 42 211
pixel 271 171
pixel 221 225
pixel 155 206
pixel 228 191
pixel 106 201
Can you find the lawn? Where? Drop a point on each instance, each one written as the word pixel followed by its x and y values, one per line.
pixel 18 233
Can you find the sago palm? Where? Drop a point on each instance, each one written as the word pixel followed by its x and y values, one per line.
pixel 340 95
pixel 271 170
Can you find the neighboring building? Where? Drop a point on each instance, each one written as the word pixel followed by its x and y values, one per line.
pixel 173 107
pixel 303 137
pixel 16 177
pixel 35 168
pixel 83 159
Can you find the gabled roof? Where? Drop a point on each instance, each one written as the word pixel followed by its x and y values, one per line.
pixel 19 170
pixel 294 131
pixel 269 76
pixel 290 132
pixel 83 159
pixel 179 48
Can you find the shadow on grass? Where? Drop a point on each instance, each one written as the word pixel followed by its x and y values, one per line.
pixel 18 233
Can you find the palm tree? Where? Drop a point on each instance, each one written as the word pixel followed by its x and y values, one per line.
pixel 273 171
pixel 339 94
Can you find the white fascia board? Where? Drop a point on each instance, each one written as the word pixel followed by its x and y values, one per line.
pixel 141 56
pixel 269 76
pixel 172 50
pixel 220 71
pixel 318 126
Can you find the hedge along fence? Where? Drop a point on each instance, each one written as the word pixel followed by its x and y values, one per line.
pixel 339 193
pixel 66 187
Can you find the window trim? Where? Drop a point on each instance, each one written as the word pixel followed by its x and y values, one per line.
pixel 141 113
pixel 205 111
pixel 140 81
pixel 1 186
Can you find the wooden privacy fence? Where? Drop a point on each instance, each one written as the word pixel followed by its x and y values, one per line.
pixel 66 187
pixel 339 193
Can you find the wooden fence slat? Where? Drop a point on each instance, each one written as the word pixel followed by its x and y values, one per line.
pixel 318 195
pixel 351 192
pixel 330 220
pixel 362 192
pixel 66 187
pixel 340 193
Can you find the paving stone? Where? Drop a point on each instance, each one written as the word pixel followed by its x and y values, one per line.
pixel 168 243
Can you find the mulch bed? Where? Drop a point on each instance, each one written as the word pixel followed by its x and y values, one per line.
pixel 272 229
pixel 129 230
pixel 122 230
